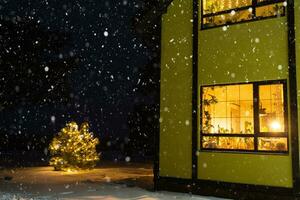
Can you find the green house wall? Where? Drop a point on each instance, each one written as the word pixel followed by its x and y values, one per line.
pixel 176 91
pixel 253 51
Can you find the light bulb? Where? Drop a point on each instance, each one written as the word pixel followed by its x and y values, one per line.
pixel 275 126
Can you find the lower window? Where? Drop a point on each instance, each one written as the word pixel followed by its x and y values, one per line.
pixel 245 117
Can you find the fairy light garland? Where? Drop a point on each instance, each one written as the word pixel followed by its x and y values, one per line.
pixel 74 148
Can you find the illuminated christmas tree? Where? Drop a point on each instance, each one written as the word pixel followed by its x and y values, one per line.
pixel 74 148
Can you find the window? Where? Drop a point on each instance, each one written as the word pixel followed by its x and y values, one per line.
pixel 221 12
pixel 246 117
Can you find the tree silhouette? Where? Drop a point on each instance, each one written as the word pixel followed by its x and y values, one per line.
pixel 147 21
pixel 144 119
pixel 147 24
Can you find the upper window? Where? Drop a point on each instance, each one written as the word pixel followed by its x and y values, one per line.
pixel 248 117
pixel 221 12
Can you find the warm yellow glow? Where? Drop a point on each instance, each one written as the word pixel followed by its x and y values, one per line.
pixel 275 126
pixel 228 109
pixel 243 14
pixel 74 148
pixel 69 170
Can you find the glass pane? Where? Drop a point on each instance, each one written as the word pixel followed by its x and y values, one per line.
pixel 220 93
pixel 272 124
pixel 271 108
pixel 246 92
pixel 207 91
pixel 213 6
pixel 207 125
pixel 220 109
pixel 233 109
pixel 233 17
pixel 209 101
pixel 265 92
pixel 208 110
pixel 233 93
pixel 277 91
pixel 265 106
pixel 226 116
pixel 246 108
pixel 239 143
pixel 270 10
pixel 272 144
pixel 221 125
pixel 277 107
pixel 247 126
pixel 234 125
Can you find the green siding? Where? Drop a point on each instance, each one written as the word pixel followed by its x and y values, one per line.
pixel 244 52
pixel 176 91
pixel 253 51
pixel 271 170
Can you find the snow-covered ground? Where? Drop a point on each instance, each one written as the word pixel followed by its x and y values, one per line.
pixel 109 181
pixel 107 192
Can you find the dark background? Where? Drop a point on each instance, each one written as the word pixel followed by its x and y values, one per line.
pixel 79 60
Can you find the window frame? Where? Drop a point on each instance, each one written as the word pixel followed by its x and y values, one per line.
pixel 254 6
pixel 257 133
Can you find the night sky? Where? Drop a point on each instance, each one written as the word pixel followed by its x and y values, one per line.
pixel 111 58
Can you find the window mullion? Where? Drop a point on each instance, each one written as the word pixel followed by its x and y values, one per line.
pixel 201 13
pixel 254 5
pixel 256 114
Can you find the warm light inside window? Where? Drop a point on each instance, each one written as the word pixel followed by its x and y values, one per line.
pixel 213 6
pixel 275 126
pixel 272 144
pixel 228 109
pixel 220 12
pixel 271 108
pixel 239 143
pixel 229 113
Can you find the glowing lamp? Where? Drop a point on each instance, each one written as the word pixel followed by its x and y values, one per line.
pixel 275 126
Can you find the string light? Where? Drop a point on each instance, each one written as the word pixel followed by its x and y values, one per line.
pixel 74 148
